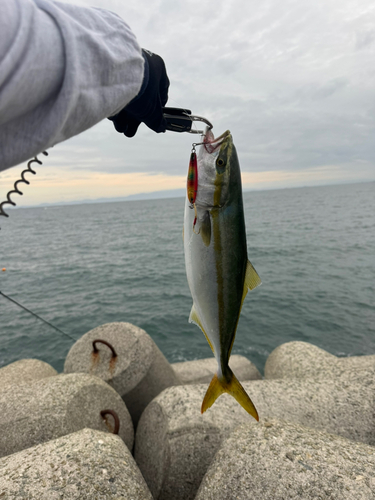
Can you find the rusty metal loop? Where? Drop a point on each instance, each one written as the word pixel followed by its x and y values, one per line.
pixel 114 353
pixel 115 417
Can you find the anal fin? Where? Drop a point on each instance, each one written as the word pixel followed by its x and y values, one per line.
pixel 194 318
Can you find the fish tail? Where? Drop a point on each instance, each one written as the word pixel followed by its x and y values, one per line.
pixel 232 386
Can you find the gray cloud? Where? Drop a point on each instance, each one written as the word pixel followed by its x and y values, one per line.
pixel 294 81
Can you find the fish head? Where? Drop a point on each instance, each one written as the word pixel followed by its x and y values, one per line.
pixel 217 168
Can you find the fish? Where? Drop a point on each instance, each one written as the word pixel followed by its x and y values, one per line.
pixel 218 270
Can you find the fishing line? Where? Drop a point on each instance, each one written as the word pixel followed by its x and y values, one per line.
pixel 36 315
pixel 23 180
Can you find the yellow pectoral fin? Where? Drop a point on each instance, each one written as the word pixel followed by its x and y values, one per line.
pixel 205 228
pixel 232 387
pixel 194 318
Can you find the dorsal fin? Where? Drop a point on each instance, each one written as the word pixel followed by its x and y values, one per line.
pixel 252 279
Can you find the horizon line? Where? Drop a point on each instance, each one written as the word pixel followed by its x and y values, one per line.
pixel 174 193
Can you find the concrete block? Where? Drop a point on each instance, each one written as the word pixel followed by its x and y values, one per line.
pixel 53 407
pixel 138 373
pixel 175 443
pixel 304 360
pixel 201 371
pixel 340 406
pixel 85 465
pixel 25 371
pixel 279 460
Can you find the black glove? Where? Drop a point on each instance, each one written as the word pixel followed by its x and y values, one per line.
pixel 147 106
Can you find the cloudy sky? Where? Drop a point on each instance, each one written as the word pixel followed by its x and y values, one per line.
pixel 294 81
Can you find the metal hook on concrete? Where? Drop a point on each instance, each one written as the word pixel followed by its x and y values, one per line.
pixel 114 354
pixel 115 417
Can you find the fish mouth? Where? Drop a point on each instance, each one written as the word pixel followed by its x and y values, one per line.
pixel 211 144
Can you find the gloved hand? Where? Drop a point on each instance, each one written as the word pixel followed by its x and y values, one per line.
pixel 147 106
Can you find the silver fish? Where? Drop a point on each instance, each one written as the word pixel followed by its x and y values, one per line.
pixel 218 270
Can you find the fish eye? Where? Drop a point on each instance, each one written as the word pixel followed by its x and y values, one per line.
pixel 220 162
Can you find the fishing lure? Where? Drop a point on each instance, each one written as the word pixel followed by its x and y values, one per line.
pixel 192 182
pixel 192 178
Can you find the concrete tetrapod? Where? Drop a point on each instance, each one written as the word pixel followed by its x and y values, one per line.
pixel 175 443
pixel 277 460
pixel 53 407
pixel 25 371
pixel 85 465
pixel 201 371
pixel 138 372
pixel 303 360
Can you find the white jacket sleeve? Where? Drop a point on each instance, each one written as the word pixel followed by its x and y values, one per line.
pixel 63 68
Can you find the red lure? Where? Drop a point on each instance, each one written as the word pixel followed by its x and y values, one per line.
pixel 192 178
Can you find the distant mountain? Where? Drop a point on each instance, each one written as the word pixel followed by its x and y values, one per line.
pixel 155 195
pixel 172 193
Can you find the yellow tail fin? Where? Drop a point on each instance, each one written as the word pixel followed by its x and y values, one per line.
pixel 232 387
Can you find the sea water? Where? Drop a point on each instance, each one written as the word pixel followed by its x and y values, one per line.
pixel 82 266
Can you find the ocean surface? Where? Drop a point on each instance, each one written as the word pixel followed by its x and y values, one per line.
pixel 81 266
